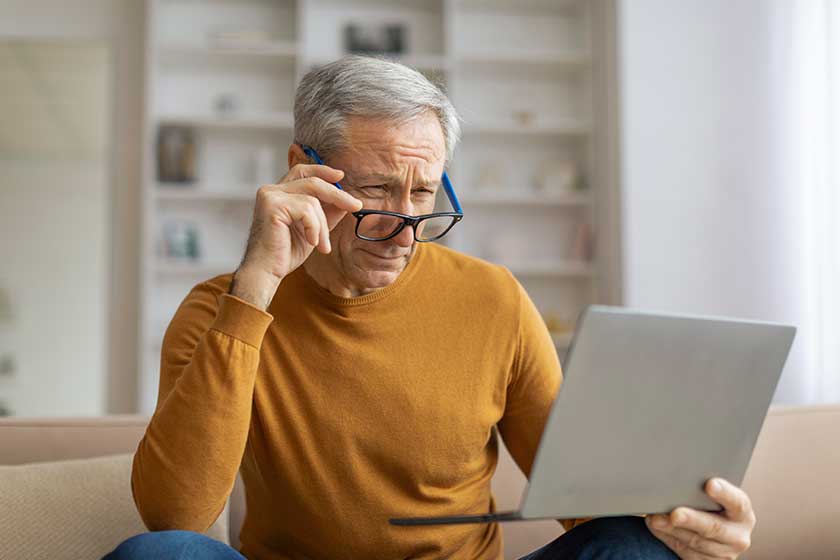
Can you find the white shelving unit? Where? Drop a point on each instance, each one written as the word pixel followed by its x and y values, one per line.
pixel 520 72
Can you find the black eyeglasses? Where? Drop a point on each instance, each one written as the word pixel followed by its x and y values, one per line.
pixel 381 225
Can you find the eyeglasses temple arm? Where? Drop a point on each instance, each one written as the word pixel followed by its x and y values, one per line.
pixel 314 155
pixel 447 184
pixel 450 192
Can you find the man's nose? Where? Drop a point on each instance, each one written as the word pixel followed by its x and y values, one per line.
pixel 405 237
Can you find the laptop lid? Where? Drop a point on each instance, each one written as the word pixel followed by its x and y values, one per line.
pixel 651 406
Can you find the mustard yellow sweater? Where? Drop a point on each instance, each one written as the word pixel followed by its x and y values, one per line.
pixel 344 412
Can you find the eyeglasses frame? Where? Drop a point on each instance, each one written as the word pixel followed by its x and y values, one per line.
pixel 412 221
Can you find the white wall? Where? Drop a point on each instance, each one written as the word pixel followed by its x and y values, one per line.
pixel 710 226
pixel 55 273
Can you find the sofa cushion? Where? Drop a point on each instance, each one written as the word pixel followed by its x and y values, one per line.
pixel 79 508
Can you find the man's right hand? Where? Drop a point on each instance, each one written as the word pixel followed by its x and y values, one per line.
pixel 290 220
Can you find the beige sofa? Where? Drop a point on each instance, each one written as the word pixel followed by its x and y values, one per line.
pixel 66 505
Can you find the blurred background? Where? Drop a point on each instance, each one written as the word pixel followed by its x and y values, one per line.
pixel 672 155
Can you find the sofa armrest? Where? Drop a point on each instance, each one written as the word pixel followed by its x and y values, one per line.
pixel 79 508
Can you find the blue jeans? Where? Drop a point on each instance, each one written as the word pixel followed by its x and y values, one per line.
pixel 607 538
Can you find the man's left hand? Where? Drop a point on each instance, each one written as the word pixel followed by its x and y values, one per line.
pixel 701 535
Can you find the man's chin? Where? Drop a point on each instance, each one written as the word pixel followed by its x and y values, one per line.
pixel 376 279
pixel 373 276
pixel 373 272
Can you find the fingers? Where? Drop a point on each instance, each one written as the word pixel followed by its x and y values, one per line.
pixel 308 204
pixel 303 170
pixel 699 534
pixel 678 545
pixel 709 525
pixel 680 548
pixel 325 192
pixel 311 224
pixel 680 540
pixel 734 500
pixel 304 214
pixel 324 241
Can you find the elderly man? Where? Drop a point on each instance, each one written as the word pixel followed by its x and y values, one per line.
pixel 366 380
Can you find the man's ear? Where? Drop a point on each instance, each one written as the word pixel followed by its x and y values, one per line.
pixel 297 156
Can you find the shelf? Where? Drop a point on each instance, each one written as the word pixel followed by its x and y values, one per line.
pixel 571 269
pixel 520 73
pixel 268 121
pixel 386 6
pixel 193 193
pixel 284 50
pixel 490 198
pixel 520 6
pixel 419 61
pixel 523 58
pixel 190 269
pixel 203 194
pixel 564 127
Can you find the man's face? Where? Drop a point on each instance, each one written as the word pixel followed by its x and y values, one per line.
pixel 387 167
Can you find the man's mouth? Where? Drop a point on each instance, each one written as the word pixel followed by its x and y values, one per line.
pixel 386 258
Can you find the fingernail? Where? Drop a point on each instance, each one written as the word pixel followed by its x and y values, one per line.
pixel 714 486
pixel 659 523
pixel 678 518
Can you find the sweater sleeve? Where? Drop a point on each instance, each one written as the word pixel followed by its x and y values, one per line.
pixel 186 464
pixel 533 385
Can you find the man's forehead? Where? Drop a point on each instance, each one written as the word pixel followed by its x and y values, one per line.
pixel 368 176
pixel 418 136
pixel 377 148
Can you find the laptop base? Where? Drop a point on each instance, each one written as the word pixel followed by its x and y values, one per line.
pixel 457 519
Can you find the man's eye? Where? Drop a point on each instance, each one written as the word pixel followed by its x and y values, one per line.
pixel 371 190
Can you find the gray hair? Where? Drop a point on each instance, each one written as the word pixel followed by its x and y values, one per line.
pixel 366 87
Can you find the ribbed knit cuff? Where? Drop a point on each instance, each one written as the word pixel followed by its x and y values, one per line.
pixel 241 320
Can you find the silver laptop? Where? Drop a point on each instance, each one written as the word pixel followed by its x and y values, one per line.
pixel 651 406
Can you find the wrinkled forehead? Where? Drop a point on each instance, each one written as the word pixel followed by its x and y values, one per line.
pixel 377 149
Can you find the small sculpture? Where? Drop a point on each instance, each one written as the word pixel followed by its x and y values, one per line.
pixel 558 176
